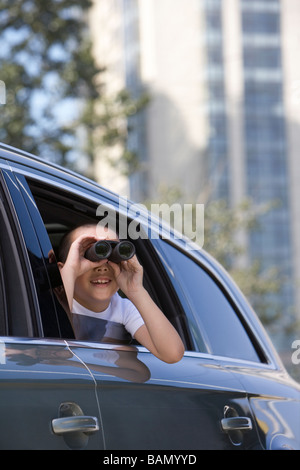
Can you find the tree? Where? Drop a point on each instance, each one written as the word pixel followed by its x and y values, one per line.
pixel 53 84
pixel 225 238
pixel 107 120
pixel 41 44
pixel 223 228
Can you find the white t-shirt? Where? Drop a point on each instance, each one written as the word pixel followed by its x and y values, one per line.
pixel 89 325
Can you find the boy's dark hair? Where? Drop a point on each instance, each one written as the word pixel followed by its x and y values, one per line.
pixel 64 247
pixel 66 241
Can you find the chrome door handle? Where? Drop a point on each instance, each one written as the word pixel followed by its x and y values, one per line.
pixel 236 423
pixel 86 424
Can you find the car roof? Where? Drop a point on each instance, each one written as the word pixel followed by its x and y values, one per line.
pixel 12 154
pixel 26 160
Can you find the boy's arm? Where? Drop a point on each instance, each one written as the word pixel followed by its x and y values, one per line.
pixel 157 334
pixel 68 277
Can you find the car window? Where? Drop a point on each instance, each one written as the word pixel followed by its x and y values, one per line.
pixel 15 313
pixel 60 210
pixel 2 299
pixel 220 328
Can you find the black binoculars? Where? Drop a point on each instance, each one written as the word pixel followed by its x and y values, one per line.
pixel 110 249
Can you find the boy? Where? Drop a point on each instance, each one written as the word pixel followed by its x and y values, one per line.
pixel 91 290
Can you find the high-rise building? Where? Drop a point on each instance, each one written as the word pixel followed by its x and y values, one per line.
pixel 224 118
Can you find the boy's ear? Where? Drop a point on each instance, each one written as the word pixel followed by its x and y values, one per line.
pixel 60 265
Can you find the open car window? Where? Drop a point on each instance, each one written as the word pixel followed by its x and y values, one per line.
pixel 62 210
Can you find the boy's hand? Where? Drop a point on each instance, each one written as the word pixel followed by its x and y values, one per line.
pixel 129 276
pixel 76 259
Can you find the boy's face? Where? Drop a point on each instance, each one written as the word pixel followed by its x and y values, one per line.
pixel 94 288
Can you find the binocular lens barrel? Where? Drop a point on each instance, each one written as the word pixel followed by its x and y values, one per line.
pixel 126 250
pixel 99 250
pixel 102 249
pixel 111 250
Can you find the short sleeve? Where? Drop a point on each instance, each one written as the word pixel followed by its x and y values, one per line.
pixel 131 317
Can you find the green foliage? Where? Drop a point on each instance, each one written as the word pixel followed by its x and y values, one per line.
pixel 44 63
pixel 54 91
pixel 114 118
pixel 222 223
pixel 226 230
pixel 14 114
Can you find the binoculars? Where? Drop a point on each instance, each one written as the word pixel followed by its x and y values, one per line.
pixel 114 251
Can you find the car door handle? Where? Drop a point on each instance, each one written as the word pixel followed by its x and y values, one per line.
pixel 236 423
pixel 86 424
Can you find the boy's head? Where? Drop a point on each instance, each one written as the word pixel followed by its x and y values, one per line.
pixel 99 232
pixel 94 288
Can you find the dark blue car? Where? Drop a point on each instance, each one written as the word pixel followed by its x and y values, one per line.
pixel 229 391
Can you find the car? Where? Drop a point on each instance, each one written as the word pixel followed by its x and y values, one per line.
pixel 230 389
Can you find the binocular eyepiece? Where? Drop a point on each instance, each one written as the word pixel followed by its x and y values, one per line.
pixel 114 251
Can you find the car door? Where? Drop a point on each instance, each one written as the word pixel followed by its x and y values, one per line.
pixel 47 397
pixel 47 394
pixel 147 404
pixel 150 405
pixel 238 344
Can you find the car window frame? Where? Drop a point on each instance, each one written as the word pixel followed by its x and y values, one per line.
pixel 93 194
pixel 82 199
pixel 67 181
pixel 3 298
pixel 38 290
pixel 264 357
pixel 22 302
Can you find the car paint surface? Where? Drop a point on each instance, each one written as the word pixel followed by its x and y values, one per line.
pixel 36 378
pixel 139 402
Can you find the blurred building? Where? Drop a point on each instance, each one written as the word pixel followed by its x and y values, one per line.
pixel 107 29
pixel 224 117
